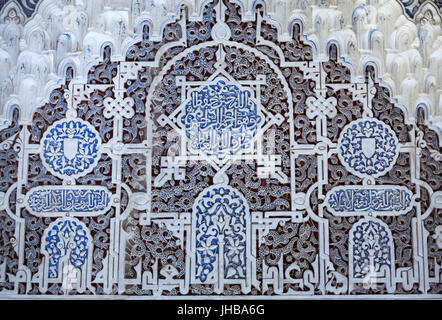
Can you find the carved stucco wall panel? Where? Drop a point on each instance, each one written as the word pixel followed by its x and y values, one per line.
pixel 219 148
pixel 36 49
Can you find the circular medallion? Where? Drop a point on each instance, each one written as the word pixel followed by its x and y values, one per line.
pixel 368 147
pixel 70 148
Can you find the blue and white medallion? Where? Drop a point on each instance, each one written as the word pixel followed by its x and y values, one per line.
pixel 70 148
pixel 66 238
pixel 368 148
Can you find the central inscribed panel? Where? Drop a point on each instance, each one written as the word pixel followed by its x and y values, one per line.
pixel 221 160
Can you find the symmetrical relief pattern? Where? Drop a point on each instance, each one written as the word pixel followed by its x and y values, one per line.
pixel 70 148
pixel 412 7
pixel 371 253
pixel 214 158
pixel 65 238
pixel 220 119
pixel 222 237
pixel 28 6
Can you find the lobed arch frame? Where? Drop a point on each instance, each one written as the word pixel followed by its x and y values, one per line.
pixel 137 218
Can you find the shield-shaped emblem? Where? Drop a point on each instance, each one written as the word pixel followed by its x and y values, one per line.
pixel 70 148
pixel 368 146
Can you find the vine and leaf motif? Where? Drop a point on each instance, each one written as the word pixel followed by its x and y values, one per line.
pixel 66 237
pixel 221 119
pixel 295 245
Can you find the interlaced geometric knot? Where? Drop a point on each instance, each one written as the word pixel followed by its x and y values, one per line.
pixel 220 119
pixel 368 147
pixel 70 147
